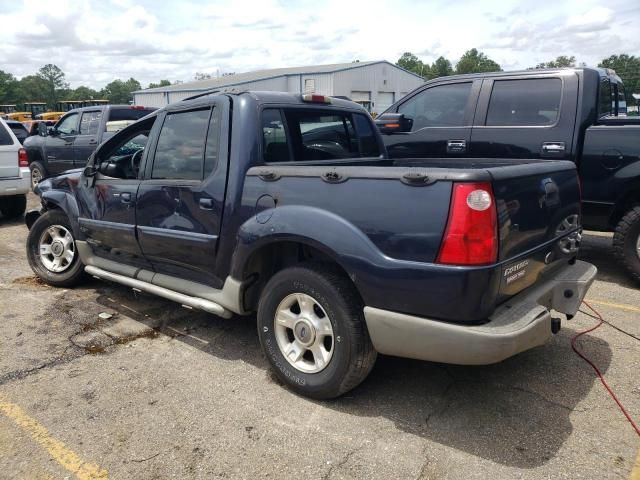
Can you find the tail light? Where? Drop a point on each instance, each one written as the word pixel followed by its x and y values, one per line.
pixel 23 160
pixel 471 236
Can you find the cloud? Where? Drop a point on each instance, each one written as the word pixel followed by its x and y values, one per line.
pixel 95 41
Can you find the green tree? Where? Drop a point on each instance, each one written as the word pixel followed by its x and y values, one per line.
pixel 162 83
pixel 83 93
pixel 474 61
pixel 628 69
pixel 32 88
pixel 54 79
pixel 410 62
pixel 440 68
pixel 120 91
pixel 560 62
pixel 8 88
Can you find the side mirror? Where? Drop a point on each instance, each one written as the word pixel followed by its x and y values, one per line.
pixel 389 123
pixel 43 130
pixel 90 171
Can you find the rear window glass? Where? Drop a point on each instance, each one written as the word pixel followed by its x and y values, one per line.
pixel 181 146
pixel 18 129
pixel 118 114
pixel 90 122
pixel 5 137
pixel 531 102
pixel 315 135
pixel 606 101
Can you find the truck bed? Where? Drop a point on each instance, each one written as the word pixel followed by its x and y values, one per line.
pixel 401 219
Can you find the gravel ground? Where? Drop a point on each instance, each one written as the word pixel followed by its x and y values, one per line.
pixel 157 391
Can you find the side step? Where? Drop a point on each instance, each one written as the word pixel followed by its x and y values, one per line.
pixel 193 302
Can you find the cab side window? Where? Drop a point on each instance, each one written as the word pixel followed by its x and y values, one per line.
pixel 90 122
pixel 181 146
pixel 439 106
pixel 68 125
pixel 524 103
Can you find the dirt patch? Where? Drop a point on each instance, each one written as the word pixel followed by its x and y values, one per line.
pixel 30 281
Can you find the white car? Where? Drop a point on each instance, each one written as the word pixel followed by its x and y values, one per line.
pixel 15 177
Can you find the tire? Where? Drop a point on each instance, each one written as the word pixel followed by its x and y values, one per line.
pixel 351 355
pixel 13 206
pixel 71 268
pixel 626 242
pixel 38 172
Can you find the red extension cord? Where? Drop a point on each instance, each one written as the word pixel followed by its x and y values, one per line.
pixel 597 370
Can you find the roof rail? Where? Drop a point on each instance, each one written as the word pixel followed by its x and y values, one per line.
pixel 201 94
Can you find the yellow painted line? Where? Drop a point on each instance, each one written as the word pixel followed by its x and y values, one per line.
pixel 58 450
pixel 635 473
pixel 619 306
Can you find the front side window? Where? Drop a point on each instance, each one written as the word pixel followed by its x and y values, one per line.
pixel 121 156
pixel 90 122
pixel 181 146
pixel 68 124
pixel 439 106
pixel 530 102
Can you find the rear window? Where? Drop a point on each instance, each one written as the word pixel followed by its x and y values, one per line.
pixel 5 137
pixel 531 102
pixel 307 135
pixel 117 114
pixel 18 129
pixel 606 101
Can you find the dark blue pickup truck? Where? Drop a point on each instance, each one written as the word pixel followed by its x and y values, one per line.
pixel 288 206
pixel 576 114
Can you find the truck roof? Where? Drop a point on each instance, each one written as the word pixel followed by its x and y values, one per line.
pixel 110 107
pixel 602 72
pixel 264 97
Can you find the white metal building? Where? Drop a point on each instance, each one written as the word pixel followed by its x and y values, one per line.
pixel 375 85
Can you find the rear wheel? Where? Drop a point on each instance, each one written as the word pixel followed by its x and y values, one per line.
pixel 312 330
pixel 13 206
pixel 51 250
pixel 626 242
pixel 37 173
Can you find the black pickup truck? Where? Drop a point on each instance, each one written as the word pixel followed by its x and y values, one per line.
pixel 288 206
pixel 576 114
pixel 77 134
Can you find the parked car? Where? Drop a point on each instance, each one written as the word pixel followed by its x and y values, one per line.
pixel 576 114
pixel 287 206
pixel 18 129
pixel 74 138
pixel 14 173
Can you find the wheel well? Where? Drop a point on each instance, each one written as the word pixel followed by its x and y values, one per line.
pixel 268 260
pixel 627 202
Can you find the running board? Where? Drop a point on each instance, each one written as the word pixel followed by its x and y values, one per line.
pixel 189 301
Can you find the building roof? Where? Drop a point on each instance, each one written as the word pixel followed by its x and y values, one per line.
pixel 247 77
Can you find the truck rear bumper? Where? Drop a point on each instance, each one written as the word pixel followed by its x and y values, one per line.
pixel 16 185
pixel 521 323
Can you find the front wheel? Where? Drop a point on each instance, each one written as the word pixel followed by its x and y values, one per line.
pixel 51 250
pixel 626 242
pixel 312 330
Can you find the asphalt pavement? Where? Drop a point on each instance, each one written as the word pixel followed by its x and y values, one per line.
pixel 150 390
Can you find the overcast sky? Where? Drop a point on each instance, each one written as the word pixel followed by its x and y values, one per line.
pixel 96 41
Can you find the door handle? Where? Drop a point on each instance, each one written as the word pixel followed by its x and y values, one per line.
pixel 67 144
pixel 125 197
pixel 93 142
pixel 206 203
pixel 553 148
pixel 456 146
